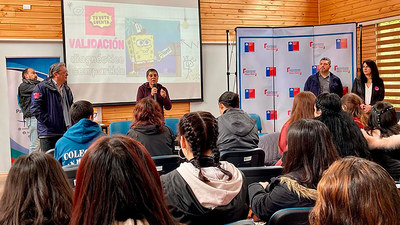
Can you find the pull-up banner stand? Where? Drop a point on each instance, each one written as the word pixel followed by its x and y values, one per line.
pixel 274 63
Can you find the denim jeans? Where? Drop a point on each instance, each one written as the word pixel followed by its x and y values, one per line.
pixel 33 135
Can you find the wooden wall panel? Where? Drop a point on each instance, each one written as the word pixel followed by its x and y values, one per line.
pixel 342 11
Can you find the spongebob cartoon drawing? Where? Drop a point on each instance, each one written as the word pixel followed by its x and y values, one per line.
pixel 141 51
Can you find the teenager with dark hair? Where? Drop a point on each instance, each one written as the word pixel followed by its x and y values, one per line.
pixel 237 130
pixel 369 86
pixel 204 190
pixel 356 191
pixel 352 104
pixel 346 134
pixel 117 184
pixel 71 147
pixel 36 192
pixel 383 136
pixel 303 108
pixel 310 153
pixel 148 128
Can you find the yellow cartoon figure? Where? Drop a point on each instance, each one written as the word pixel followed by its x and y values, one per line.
pixel 141 51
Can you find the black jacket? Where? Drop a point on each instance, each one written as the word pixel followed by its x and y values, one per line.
pixel 280 194
pixel 156 142
pixel 335 85
pixel 25 90
pixel 378 90
pixel 185 208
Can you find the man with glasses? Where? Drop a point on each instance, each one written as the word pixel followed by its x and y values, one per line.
pixel 51 102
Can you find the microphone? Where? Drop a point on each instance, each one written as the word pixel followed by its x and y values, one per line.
pixel 155 95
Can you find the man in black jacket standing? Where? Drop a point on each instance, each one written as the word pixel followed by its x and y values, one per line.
pixel 25 89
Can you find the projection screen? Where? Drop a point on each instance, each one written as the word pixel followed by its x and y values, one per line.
pixel 109 45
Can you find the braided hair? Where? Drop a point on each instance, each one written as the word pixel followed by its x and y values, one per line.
pixel 383 117
pixel 200 129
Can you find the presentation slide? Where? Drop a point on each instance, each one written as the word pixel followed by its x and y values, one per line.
pixel 109 46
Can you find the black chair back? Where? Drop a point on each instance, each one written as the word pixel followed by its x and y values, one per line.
pixel 260 174
pixel 244 158
pixel 166 163
pixel 70 171
pixel 291 216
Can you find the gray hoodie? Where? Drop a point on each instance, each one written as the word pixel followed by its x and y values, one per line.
pixel 237 130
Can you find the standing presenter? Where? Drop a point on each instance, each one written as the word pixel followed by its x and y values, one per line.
pixel 154 90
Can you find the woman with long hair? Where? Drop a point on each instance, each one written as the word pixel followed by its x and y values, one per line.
pixel 117 184
pixel 369 86
pixel 204 190
pixel 310 152
pixel 148 127
pixel 355 191
pixel 383 136
pixel 346 134
pixel 36 192
pixel 352 104
pixel 303 108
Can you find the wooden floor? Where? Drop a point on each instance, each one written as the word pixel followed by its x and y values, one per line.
pixel 3 178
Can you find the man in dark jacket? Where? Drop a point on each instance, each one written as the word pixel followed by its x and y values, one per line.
pixel 237 130
pixel 324 81
pixel 74 143
pixel 51 101
pixel 25 89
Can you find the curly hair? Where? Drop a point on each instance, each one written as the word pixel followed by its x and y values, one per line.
pixel 356 191
pixel 148 112
pixel 36 190
pixel 346 134
pixel 200 129
pixel 383 117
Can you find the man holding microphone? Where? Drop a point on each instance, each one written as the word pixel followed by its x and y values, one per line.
pixel 154 90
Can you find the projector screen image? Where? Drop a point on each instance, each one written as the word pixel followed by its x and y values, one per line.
pixel 109 46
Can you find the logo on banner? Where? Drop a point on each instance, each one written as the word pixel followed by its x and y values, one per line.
pixel 293 46
pixel 270 71
pixel 271 93
pixel 270 47
pixel 293 92
pixel 341 43
pixel 99 20
pixel 314 69
pixel 317 45
pixel 293 71
pixel 341 69
pixel 247 72
pixel 249 47
pixel 271 115
pixel 249 93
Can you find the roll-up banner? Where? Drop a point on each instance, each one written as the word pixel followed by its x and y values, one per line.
pixel 274 63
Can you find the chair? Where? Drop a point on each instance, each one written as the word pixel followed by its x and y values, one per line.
pixel 244 158
pixel 172 123
pixel 242 222
pixel 291 216
pixel 258 123
pixel 119 127
pixel 50 152
pixel 70 171
pixel 260 174
pixel 269 143
pixel 166 163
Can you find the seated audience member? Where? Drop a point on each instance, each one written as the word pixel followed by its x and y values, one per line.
pixel 36 192
pixel 71 147
pixel 303 108
pixel 351 103
pixel 356 191
pixel 310 152
pixel 346 134
pixel 383 136
pixel 148 128
pixel 117 184
pixel 237 130
pixel 204 190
